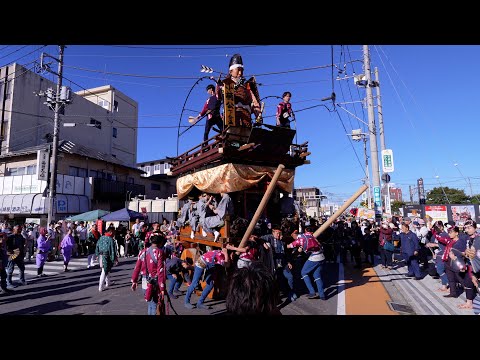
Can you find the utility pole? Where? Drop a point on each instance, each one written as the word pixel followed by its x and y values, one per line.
pixel 373 135
pixel 367 178
pixel 357 135
pixel 380 112
pixel 53 175
pixel 382 139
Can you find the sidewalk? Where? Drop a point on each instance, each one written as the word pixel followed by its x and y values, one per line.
pixel 421 295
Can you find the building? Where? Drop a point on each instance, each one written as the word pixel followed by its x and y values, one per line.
pixel 395 193
pixel 102 119
pixel 155 167
pixel 162 185
pixel 86 179
pixel 309 200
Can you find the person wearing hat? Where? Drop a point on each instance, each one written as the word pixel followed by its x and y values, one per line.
pixel 421 230
pixel 246 97
pixel 212 110
pixel 408 221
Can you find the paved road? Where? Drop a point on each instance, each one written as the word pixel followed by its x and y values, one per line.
pixel 348 290
pixel 76 292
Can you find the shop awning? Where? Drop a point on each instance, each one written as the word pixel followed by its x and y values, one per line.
pixel 35 204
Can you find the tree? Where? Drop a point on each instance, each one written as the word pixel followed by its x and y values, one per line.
pixel 396 205
pixel 455 196
pixel 475 199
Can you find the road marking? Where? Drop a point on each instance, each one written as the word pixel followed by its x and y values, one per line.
pixel 340 289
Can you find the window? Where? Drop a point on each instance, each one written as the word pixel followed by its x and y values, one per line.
pixel 77 171
pixel 156 168
pixel 115 105
pixel 17 171
pixel 9 90
pixel 96 123
pixel 114 132
pixel 167 166
pixel 147 169
pixel 112 177
pixel 103 103
pixel 31 169
pixel 95 174
pixel 154 186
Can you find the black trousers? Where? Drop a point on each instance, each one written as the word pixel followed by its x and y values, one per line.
pixel 209 123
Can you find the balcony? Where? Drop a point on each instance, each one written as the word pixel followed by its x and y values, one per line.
pixel 104 189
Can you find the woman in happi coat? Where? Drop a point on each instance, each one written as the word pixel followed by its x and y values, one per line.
pixel 107 256
pixel 66 246
pixel 43 247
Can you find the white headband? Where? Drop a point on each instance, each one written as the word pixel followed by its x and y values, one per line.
pixel 234 66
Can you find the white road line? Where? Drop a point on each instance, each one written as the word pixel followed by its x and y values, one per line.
pixel 341 310
pixel 50 268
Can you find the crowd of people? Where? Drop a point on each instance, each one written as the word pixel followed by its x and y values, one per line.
pixel 283 251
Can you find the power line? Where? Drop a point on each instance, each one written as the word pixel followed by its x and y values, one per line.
pixel 186 48
pixel 21 57
pixel 186 77
pixel 358 90
pixel 186 87
pixel 351 143
pixel 13 52
pixel 85 89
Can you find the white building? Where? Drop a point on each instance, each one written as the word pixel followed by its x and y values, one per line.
pixel 106 119
pixel 155 167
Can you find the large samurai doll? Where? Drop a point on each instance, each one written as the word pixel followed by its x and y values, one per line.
pixel 245 95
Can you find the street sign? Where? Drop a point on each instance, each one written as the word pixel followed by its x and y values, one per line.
pixel 388 205
pixel 43 161
pixel 386 178
pixel 376 197
pixel 387 160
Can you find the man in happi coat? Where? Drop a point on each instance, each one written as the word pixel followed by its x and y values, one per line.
pixel 107 256
pixel 43 247
pixel 225 207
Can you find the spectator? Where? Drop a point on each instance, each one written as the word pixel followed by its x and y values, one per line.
pixel 252 291
pixel 15 252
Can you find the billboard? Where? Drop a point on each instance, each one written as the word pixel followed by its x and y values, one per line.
pixel 460 213
pixel 437 212
pixel 413 211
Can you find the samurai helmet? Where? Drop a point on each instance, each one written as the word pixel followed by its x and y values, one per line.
pixel 235 62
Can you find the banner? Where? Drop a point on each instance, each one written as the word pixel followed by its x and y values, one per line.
pixel 437 212
pixel 365 213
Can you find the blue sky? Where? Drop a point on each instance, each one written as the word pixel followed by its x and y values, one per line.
pixel 429 95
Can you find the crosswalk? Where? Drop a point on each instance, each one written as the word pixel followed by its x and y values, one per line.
pixel 51 268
